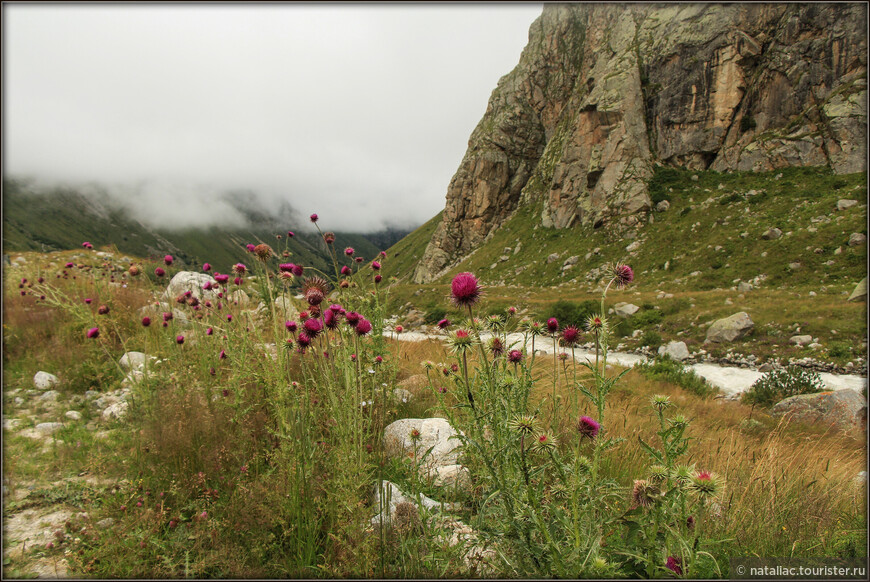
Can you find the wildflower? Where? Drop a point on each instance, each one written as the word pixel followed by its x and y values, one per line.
pixel 86 244
pixel 678 422
pixel 705 484
pixel 159 271
pixel 352 317
pixel 263 251
pixel 595 323
pixel 206 286
pixel 297 270
pixel 523 424
pixel 303 340
pixel 660 402
pixel 179 339
pixel 588 427
pixel 88 300
pixel 515 356
pixel 303 316
pixel 349 251
pixel 239 269
pixel 353 357
pixel 583 465
pixel 290 234
pixel 329 237
pixel 376 265
pixel 358 259
pixel 290 325
pixel 378 360
pixel 622 275
pixel 345 270
pixel 378 278
pixel 465 289
pixel 93 332
pixel 313 218
pixel 460 341
pixel 444 323
pixel 250 247
pixel 315 289
pixel 221 278
pixel 415 434
pixel 383 254
pixel 428 364
pixel 69 265
pixel 690 522
pixel 674 564
pixel 146 321
pixel 134 270
pixel 643 493
pixel 363 326
pixel 222 355
pixel 209 331
pixel 544 442
pixel 206 267
pixel 238 281
pixel 312 327
pixel 552 325
pixel 496 347
pixel 563 356
pixel 658 474
pixel 168 260
pixel 229 317
pixel 330 319
pixel 495 322
pixel 399 329
pixel 570 336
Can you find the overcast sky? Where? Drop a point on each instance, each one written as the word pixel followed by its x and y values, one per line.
pixel 360 113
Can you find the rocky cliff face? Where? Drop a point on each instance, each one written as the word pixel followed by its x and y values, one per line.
pixel 602 93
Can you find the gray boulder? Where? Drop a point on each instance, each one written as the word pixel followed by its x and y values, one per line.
pixel 844 409
pixel 844 204
pixel 857 239
pixel 730 329
pixel 801 340
pixel 45 381
pixel 435 434
pixel 663 206
pixel 860 292
pixel 388 496
pixel 134 360
pixel 675 350
pixel 625 309
pixel 189 281
pixel 771 234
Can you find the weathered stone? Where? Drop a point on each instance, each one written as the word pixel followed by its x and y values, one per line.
pixel 134 360
pixel 189 281
pixel 846 204
pixel 844 409
pixel 435 434
pixel 730 328
pixel 73 415
pixel 117 410
pixel 771 234
pixel 392 496
pixel 552 258
pixel 45 381
pixel 663 206
pixel 625 309
pixel 48 428
pixel 857 239
pixel 402 395
pixel 794 266
pixel 744 287
pixel 860 291
pixel 675 350
pixel 49 396
pixel 801 340
pixel 451 476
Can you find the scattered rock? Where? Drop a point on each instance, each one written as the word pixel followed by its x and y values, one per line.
pixel 730 328
pixel 633 246
pixel 402 395
pixel 744 287
pixel 771 234
pixel 393 496
pixel 857 239
pixel 801 340
pixel 115 411
pixel 675 350
pixel 45 381
pixel 571 261
pixel 50 396
pixel 452 476
pixel 861 478
pixel 794 266
pixel 844 409
pixel 625 309
pixel 435 434
pixel 860 292
pixel 134 360
pixel 184 281
pixel 553 257
pixel 845 204
pixel 663 206
pixel 48 428
pixel 73 415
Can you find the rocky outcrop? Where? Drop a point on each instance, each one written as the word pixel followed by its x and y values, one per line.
pixel 845 409
pixel 730 328
pixel 602 93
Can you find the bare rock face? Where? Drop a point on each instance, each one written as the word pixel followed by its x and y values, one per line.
pixel 845 409
pixel 604 92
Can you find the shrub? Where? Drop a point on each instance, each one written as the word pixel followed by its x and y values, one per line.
pixel 651 339
pixel 675 306
pixel 779 384
pixel 570 313
pixel 665 369
pixel 647 318
pixel 840 350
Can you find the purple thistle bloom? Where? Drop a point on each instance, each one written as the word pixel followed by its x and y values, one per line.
pixel 358 259
pixel 312 327
pixel 349 251
pixel 159 271
pixel 250 247
pixel 588 427
pixel 221 278
pixel 336 307
pixel 552 325
pixel 444 323
pixel 330 319
pixel 179 339
pixel 297 270
pixel 237 280
pixel 363 326
pixel 88 300
pixel 286 267
pixel 674 564
pixel 167 259
pixel 290 233
pixel 290 325
pixel 376 265
pixel 465 289
pixel 345 270
pixel 303 340
pixel 93 332
pixel 352 317
pixel 206 267
pixel 515 356
pixel 623 275
pixel 69 265
pixel 570 336
pixel 313 218
pixel 209 331
pixel 378 278
pixel 146 321
pixel 222 355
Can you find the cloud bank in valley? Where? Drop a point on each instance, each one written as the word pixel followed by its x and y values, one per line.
pixel 359 113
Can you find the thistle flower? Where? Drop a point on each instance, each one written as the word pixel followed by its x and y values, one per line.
pixel 622 275
pixel 588 427
pixel 290 234
pixel 238 281
pixel 674 564
pixel 352 318
pixel 523 423
pixel 415 434
pixel 460 341
pixel 399 329
pixel 496 347
pixel 444 323
pixel 69 265
pixel 88 300
pixel 583 465
pixel 167 315
pixel 239 269
pixel 134 270
pixel 303 340
pixel 512 310
pixel 544 442
pixel 206 267
pixel 345 270
pixel 379 359
pixel 363 326
pixel 290 325
pixel 86 244
pixel 330 319
pixel 222 355
pixel 329 237
pixel 349 251
pixel 103 309
pixel 376 265
pixel 263 251
pixel 563 356
pixel 167 259
pixel 660 402
pixel 315 289
pixel 221 278
pixel 383 254
pixel 533 328
pixel 428 364
pixel 209 331
pixel 682 474
pixel 312 327
pixel 595 323
pixel 146 321
pixel 643 493
pixel 159 271
pixel 92 333
pixel 705 484
pixel 658 474
pixel 679 421
pixel 553 325
pixel 495 322
pixel 297 270
pixel 179 339
pixel 465 289
pixel 378 278
pixel 515 356
pixel 313 218
pixel 570 336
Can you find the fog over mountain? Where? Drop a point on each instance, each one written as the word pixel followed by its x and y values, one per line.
pixel 359 113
